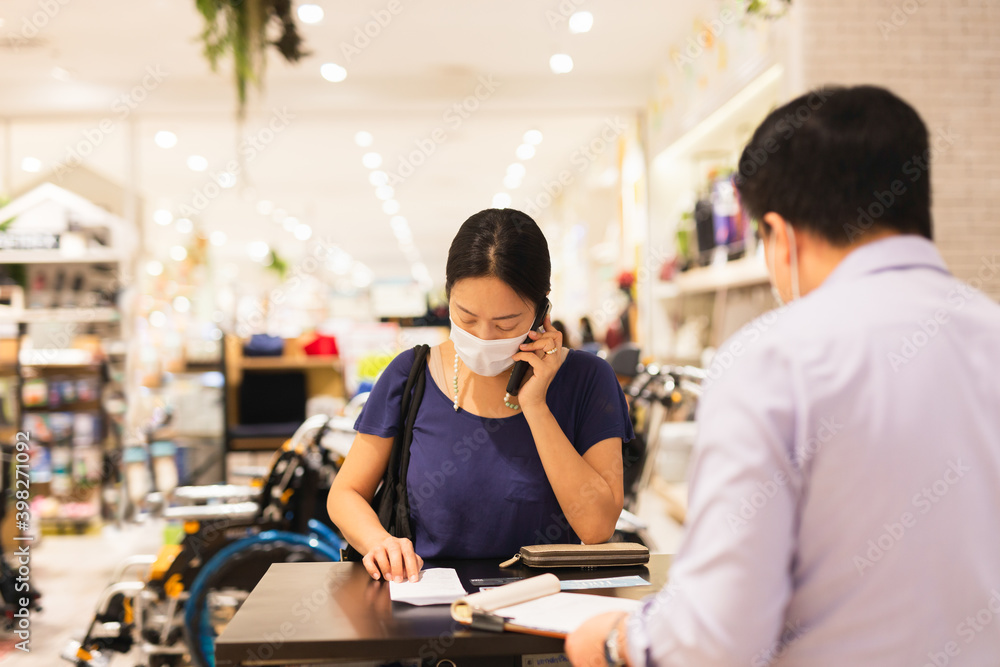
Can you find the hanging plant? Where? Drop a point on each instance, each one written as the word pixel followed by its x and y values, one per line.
pixel 239 28
pixel 768 9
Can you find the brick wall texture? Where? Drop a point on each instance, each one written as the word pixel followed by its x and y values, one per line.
pixel 942 56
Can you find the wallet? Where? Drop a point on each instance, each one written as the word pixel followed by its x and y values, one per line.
pixel 609 554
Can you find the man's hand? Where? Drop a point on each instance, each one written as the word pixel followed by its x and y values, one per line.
pixel 585 646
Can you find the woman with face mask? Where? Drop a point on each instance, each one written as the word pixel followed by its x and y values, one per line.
pixel 490 472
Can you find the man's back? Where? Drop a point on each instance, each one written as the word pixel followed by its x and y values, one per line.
pixel 847 479
pixel 898 545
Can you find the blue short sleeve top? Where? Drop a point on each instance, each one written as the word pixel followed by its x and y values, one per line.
pixel 476 486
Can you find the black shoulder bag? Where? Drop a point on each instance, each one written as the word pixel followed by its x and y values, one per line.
pixel 391 502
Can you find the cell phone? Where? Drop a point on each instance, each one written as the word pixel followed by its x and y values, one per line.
pixel 521 367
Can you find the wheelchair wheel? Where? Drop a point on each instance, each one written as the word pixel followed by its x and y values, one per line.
pixel 227 579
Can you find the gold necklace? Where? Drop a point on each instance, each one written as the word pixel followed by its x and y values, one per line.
pixel 454 386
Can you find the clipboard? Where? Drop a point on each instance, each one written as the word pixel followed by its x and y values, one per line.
pixel 534 606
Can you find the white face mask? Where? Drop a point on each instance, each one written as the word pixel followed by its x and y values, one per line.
pixel 485 357
pixel 795 266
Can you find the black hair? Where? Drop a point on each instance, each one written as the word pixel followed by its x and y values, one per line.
pixel 501 243
pixel 838 162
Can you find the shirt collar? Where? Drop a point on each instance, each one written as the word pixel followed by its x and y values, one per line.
pixel 892 253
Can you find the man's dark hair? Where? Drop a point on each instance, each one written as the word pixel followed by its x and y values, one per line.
pixel 501 243
pixel 838 162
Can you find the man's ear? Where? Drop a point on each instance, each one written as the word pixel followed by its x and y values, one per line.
pixel 778 226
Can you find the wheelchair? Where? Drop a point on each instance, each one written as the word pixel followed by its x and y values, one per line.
pixel 656 395
pixel 172 605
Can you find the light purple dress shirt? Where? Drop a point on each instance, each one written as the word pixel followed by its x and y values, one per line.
pixel 845 486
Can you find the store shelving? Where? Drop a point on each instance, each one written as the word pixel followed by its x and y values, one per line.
pixel 745 272
pixel 323 374
pixel 64 316
pixel 82 315
pixel 290 362
pixel 89 256
pixel 698 308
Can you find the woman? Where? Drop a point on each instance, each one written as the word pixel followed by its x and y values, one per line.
pixel 490 473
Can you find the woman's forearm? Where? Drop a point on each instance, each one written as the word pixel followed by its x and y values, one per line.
pixel 355 518
pixel 586 497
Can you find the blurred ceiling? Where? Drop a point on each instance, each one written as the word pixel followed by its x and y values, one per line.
pixel 447 88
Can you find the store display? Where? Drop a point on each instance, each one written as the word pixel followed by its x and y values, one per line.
pixel 35 393
pixel 164 466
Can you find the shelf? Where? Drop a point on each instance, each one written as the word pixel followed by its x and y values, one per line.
pixel 744 272
pixel 201 367
pixel 256 444
pixel 33 315
pixel 76 406
pixel 170 434
pixel 291 363
pixel 58 257
pixel 66 358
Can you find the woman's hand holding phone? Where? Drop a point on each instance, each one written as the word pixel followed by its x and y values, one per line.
pixel 393 559
pixel 544 366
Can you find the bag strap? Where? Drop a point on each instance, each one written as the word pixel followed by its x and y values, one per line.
pixel 394 508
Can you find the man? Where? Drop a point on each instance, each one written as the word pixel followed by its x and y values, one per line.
pixel 845 489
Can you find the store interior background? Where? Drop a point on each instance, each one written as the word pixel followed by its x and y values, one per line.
pixel 661 95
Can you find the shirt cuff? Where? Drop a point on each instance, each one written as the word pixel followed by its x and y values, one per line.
pixel 637 638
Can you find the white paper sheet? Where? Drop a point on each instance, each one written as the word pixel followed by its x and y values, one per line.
pixel 436 586
pixel 564 612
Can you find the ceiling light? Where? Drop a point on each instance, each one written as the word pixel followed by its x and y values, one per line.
pixel 182 304
pixel 363 139
pixel 372 160
pixel 420 272
pixel 525 152
pixel 378 178
pixel 533 137
pixel 511 182
pixel 361 275
pixel 314 14
pixel 384 192
pixel 258 250
pixel 264 207
pixel 162 216
pixel 178 253
pixel 157 319
pixel 165 139
pixel 197 163
pixel 226 179
pixel 154 268
pixel 516 169
pixel 391 207
pixel 333 72
pixel 561 63
pixel 59 74
pixel 410 252
pixel 290 224
pixel 184 226
pixel 31 165
pixel 401 230
pixel 303 232
pixel 218 238
pixel 501 200
pixel 340 263
pixel 581 22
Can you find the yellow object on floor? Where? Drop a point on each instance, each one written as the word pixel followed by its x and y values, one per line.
pixel 164 559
